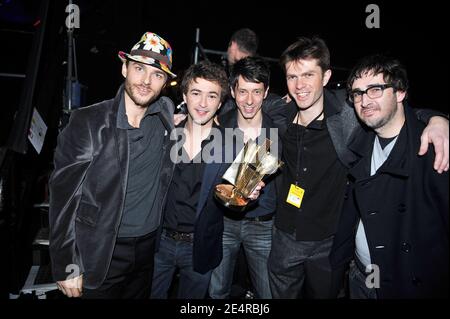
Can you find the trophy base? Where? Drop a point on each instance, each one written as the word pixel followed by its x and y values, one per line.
pixel 229 198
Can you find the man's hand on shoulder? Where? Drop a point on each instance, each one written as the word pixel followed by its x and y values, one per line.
pixel 436 132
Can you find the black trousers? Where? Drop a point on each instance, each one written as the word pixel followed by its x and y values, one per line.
pixel 357 282
pixel 130 272
pixel 300 269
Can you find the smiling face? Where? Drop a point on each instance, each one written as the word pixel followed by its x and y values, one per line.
pixel 202 100
pixel 143 83
pixel 383 114
pixel 249 97
pixel 305 82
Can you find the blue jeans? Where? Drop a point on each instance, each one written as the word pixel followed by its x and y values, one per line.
pixel 170 256
pixel 256 238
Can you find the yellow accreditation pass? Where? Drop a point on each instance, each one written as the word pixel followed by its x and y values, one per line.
pixel 295 196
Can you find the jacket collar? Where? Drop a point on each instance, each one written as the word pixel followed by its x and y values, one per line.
pixel 399 161
pixel 332 104
pixel 229 119
pixel 116 103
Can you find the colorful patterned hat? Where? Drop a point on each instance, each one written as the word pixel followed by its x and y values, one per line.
pixel 152 50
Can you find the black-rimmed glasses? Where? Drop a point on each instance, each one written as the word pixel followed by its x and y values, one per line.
pixel 373 92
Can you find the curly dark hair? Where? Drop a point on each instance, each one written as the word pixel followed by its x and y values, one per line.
pixel 209 71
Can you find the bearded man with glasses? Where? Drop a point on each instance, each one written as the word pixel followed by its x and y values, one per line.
pixel 395 219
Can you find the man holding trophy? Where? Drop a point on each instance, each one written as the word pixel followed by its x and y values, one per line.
pixel 251 226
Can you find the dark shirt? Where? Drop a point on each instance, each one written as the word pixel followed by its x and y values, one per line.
pixel 182 199
pixel 385 141
pixel 320 174
pixel 140 212
pixel 184 191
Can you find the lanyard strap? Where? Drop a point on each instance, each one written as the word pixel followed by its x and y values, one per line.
pixel 300 143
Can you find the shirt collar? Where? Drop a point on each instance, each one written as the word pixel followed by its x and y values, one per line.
pixel 329 109
pixel 182 124
pixel 122 118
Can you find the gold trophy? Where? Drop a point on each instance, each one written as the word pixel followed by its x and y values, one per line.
pixel 251 165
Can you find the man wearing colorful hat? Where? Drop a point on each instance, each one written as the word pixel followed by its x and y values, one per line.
pixel 111 176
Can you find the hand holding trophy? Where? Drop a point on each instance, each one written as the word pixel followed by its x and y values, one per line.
pixel 252 164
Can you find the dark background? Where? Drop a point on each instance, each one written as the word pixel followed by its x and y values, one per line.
pixel 414 32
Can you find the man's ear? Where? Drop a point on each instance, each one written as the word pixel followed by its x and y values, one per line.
pixel 326 77
pixel 267 92
pixel 168 79
pixel 124 70
pixel 400 96
pixel 232 93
